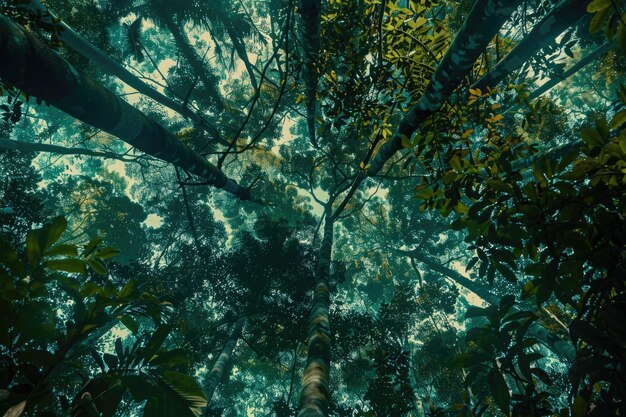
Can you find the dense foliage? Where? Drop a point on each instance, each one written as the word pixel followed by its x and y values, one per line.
pixel 312 208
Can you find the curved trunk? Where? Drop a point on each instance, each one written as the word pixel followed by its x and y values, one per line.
pixel 314 396
pixel 193 59
pixel 108 65
pixel 223 361
pixel 484 21
pixel 28 64
pixel 311 12
pixel 560 347
pixel 564 15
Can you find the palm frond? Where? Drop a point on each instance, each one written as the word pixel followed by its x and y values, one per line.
pixel 132 36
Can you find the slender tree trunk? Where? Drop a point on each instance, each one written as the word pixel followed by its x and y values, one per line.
pixel 193 59
pixel 314 397
pixel 223 361
pixel 560 347
pixel 564 15
pixel 311 12
pixel 28 64
pixel 484 21
pixel 108 65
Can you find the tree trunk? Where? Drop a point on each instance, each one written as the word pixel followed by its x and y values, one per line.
pixel 193 59
pixel 223 361
pixel 85 48
pixel 314 396
pixel 28 64
pixel 560 347
pixel 484 21
pixel 311 12
pixel 564 15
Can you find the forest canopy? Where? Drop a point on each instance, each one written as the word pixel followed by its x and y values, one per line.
pixel 350 208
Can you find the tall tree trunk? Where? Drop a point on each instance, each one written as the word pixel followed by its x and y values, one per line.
pixel 564 15
pixel 193 58
pixel 28 64
pixel 108 65
pixel 484 21
pixel 560 347
pixel 223 361
pixel 311 12
pixel 314 396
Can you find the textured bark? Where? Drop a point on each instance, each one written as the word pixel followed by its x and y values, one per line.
pixel 484 21
pixel 314 396
pixel 105 63
pixel 311 12
pixel 193 58
pixel 28 64
pixel 223 361
pixel 562 348
pixel 564 15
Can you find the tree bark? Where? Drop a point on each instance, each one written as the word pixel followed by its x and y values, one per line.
pixel 28 64
pixel 88 50
pixel 562 16
pixel 558 346
pixel 314 397
pixel 223 361
pixel 193 59
pixel 311 12
pixel 484 21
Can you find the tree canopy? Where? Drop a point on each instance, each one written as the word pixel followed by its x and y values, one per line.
pixel 312 208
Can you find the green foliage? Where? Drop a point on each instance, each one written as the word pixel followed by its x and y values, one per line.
pixel 43 360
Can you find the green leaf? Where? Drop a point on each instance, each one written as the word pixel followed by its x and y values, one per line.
pixel 33 247
pixel 579 408
pixel 97 265
pixel 473 311
pixel 91 246
pixel 619 119
pixel 597 5
pixel 67 250
pixel 591 137
pixel 156 341
pixel 106 253
pixel 98 359
pixel 128 289
pixel 499 390
pixel 130 323
pixel 54 231
pixel 68 265
pixel 185 391
pixel 90 288
pixel 171 358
